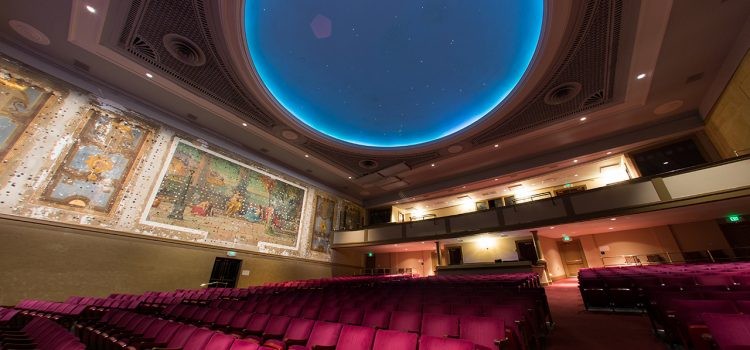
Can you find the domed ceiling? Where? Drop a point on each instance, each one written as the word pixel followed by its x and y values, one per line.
pixel 391 73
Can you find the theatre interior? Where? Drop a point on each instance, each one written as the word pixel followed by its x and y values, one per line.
pixel 357 175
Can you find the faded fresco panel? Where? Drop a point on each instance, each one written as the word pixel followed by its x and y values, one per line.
pixel 20 101
pixel 350 217
pixel 96 166
pixel 322 225
pixel 201 191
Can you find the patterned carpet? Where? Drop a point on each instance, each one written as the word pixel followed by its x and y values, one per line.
pixel 579 329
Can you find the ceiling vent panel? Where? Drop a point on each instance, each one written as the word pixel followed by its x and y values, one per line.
pixel 395 185
pixel 394 169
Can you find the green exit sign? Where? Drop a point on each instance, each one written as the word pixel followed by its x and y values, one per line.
pixel 566 238
pixel 369 254
pixel 734 218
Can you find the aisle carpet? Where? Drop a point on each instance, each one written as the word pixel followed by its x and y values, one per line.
pixel 579 329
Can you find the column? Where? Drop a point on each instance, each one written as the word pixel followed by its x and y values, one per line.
pixel 439 258
pixel 537 245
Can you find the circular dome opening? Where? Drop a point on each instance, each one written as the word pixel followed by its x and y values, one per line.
pixel 394 73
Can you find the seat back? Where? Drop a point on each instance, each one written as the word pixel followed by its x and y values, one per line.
pixel 427 342
pixel 324 334
pixel 240 344
pixel 376 318
pixel 257 323
pixel 199 339
pixel 484 332
pixel 351 315
pixel 729 331
pixel 220 341
pixel 440 325
pixel 394 340
pixel 276 326
pixel 405 321
pixel 355 338
pixel 181 336
pixel 299 329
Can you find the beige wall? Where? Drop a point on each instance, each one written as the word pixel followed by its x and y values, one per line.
pixel 55 262
pixel 552 256
pixel 728 124
pixel 702 235
pixel 489 249
pixel 407 259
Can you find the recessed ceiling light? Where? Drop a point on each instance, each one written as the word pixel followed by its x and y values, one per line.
pixel 463 186
pixel 351 178
pixel 433 164
pixel 575 160
pixel 575 175
pixel 422 242
pixel 90 8
pixel 244 124
pixel 608 153
pixel 611 228
pixel 613 219
pixel 583 119
pixel 497 145
pixel 495 179
pixel 307 156
pixel 665 163
pixel 641 76
pixel 552 227
pixel 149 75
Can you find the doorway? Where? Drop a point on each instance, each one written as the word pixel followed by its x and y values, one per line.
pixel 369 261
pixel 224 273
pixel 455 256
pixel 526 251
pixel 572 257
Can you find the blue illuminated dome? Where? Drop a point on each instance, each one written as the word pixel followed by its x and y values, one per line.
pixel 391 73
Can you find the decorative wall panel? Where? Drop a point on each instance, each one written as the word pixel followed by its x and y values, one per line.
pixel 92 173
pixel 204 192
pixel 351 216
pixel 20 101
pixel 323 224
pixel 77 159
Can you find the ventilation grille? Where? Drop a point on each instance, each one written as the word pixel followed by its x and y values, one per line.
pixel 186 52
pixel 589 62
pixel 143 50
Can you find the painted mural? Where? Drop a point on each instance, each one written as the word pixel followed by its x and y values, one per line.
pixel 350 217
pixel 20 101
pixel 72 157
pixel 93 171
pixel 202 191
pixel 323 225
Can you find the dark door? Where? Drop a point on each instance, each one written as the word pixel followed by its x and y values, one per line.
pixel 225 273
pixel 369 261
pixel 526 251
pixel 738 236
pixel 572 256
pixel 455 257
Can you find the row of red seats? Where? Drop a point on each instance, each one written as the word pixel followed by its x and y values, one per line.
pixel 685 303
pixel 520 322
pixel 40 333
pixel 50 309
pixel 626 287
pixel 119 330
